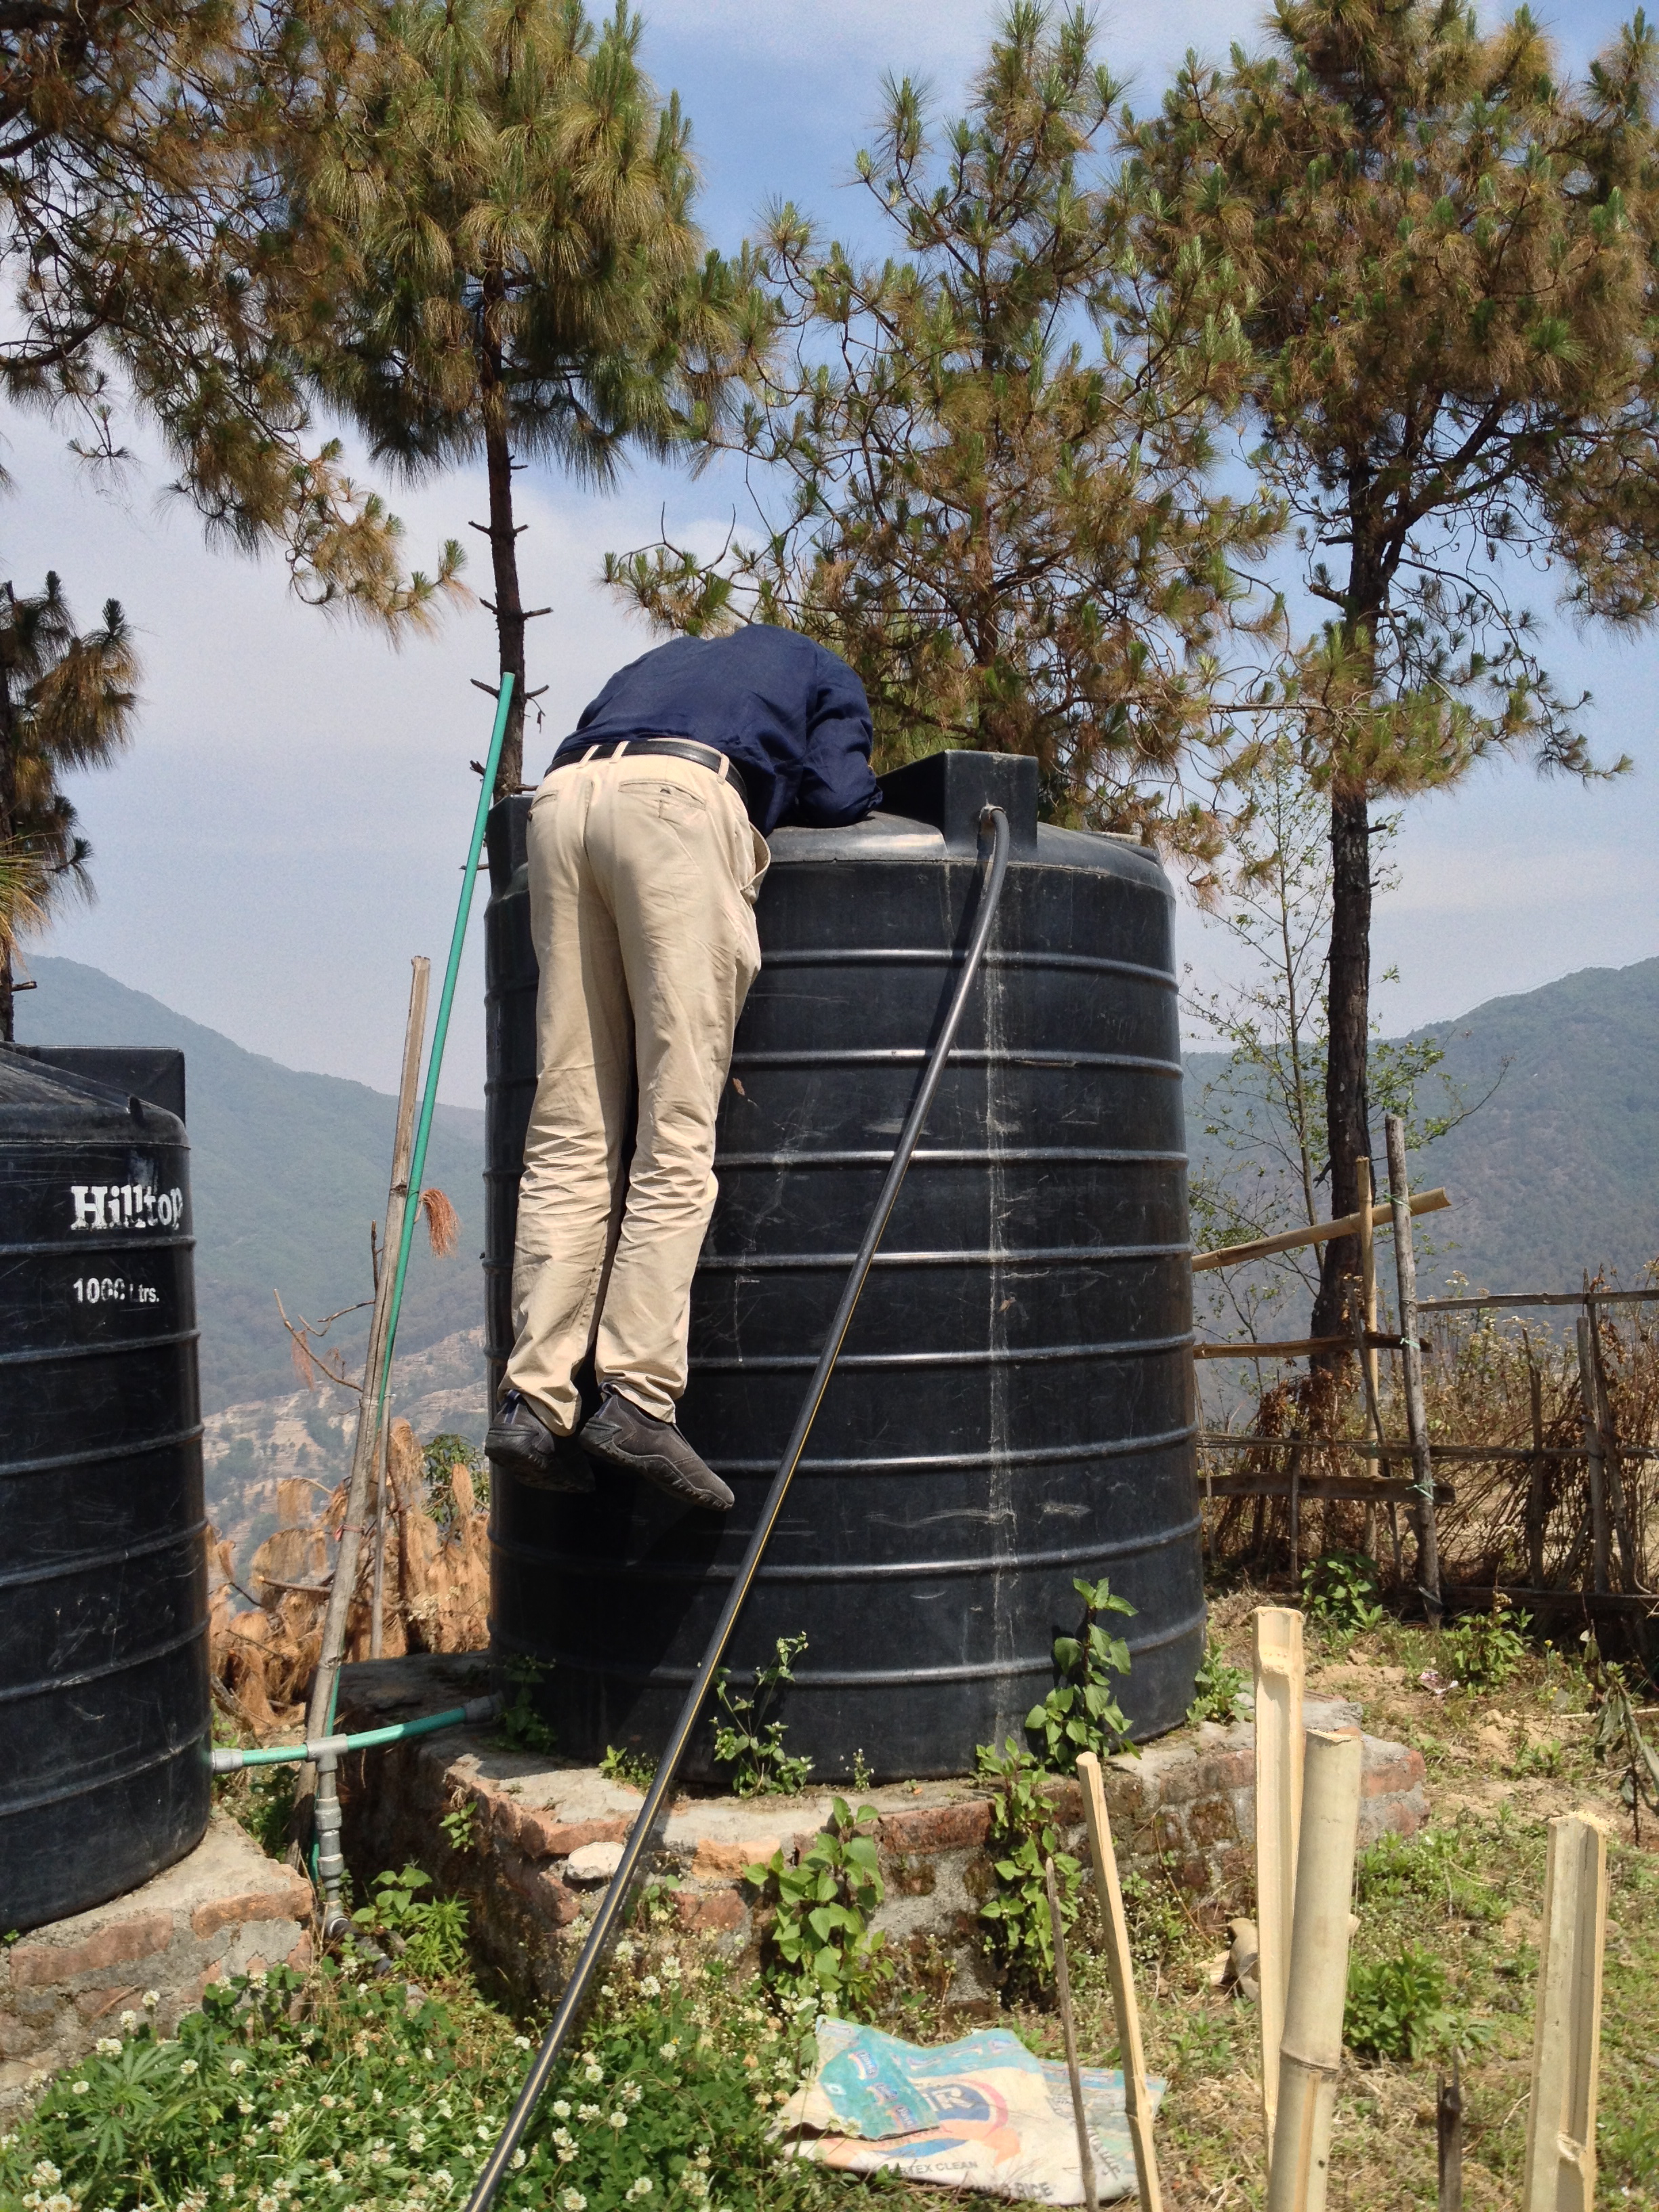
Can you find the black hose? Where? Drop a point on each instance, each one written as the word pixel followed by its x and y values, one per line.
pixel 618 1892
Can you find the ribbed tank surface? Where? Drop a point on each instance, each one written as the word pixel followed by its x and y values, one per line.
pixel 1012 1412
pixel 104 1713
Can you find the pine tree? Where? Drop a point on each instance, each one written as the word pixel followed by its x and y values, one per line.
pixel 987 464
pixel 1444 260
pixel 156 265
pixel 66 701
pixel 524 274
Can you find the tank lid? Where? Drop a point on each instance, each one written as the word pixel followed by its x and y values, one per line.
pixel 951 791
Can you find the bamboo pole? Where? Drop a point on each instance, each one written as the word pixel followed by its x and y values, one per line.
pixel 1311 2057
pixel 1346 1224
pixel 1279 1758
pixel 1600 1547
pixel 1085 2156
pixel 365 1451
pixel 1410 1357
pixel 1537 1474
pixel 1119 1967
pixel 1559 2174
pixel 1366 1329
pixel 1612 1472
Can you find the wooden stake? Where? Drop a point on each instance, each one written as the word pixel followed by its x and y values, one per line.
pixel 1368 1282
pixel 1119 1967
pixel 1279 1758
pixel 1411 1359
pixel 1559 2175
pixel 365 1446
pixel 1448 2132
pixel 1595 1468
pixel 1612 1473
pixel 1311 2057
pixel 1085 2156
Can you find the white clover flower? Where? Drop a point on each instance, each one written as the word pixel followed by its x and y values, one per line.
pixel 631 2092
pixel 257 1981
pixel 561 2138
pixel 617 2120
pixel 566 2154
pixel 329 2103
pixel 417 2140
pixel 607 1988
pixel 269 2204
pixel 763 2097
pixel 150 1999
pixel 58 2203
pixel 107 2046
pixel 129 2022
pixel 380 2097
pixel 189 2066
pixel 592 2071
pixel 651 1987
pixel 671 1969
pixel 699 2155
pixel 45 2174
pixel 516 2161
pixel 561 2109
pixel 379 2158
pixel 588 2113
pixel 445 2110
pixel 640 2188
pixel 522 2042
pixel 667 2050
pixel 572 2201
pixel 444 2179
pixel 427 2054
pixel 278 2121
pixel 624 1950
pixel 483 2131
pixel 80 2088
pixel 244 2105
pixel 240 2066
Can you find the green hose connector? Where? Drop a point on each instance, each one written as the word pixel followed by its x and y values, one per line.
pixel 229 1762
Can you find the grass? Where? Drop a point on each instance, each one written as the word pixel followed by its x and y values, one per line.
pixel 1445 1958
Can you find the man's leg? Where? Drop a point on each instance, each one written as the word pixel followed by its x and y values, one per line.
pixel 673 849
pixel 569 1198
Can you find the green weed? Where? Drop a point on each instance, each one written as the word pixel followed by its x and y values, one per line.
pixel 1396 2008
pixel 749 1740
pixel 1343 1591
pixel 1484 1649
pixel 821 1942
pixel 1080 1712
pixel 1215 1688
pixel 1018 1937
pixel 430 1933
pixel 631 1768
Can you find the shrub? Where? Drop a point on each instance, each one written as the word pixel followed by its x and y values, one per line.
pixel 1342 1589
pixel 821 1942
pixel 1396 2008
pixel 1080 1712
pixel 1485 1648
pixel 1215 1688
pixel 1018 1936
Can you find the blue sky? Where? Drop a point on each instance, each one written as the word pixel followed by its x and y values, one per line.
pixel 289 826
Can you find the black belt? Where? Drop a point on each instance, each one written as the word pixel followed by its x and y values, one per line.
pixel 708 756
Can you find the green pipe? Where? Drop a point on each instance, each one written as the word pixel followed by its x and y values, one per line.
pixel 440 1033
pixel 229 1762
pixel 435 1068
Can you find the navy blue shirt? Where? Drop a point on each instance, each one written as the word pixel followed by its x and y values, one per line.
pixel 791 716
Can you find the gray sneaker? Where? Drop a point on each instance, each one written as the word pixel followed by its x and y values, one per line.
pixel 521 1443
pixel 621 1435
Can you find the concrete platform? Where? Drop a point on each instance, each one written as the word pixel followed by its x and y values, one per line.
pixel 1184 1808
pixel 225 1909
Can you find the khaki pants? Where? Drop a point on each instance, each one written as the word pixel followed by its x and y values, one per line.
pixel 643 876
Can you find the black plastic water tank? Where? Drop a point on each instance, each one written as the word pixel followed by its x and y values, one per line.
pixel 1012 1412
pixel 104 1711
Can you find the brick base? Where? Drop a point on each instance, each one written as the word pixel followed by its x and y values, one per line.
pixel 225 1909
pixel 1185 1806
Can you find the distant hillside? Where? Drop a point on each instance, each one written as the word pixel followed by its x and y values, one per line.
pixel 287 1170
pixel 1556 1172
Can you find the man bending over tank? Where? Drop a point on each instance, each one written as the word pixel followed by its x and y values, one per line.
pixel 647 853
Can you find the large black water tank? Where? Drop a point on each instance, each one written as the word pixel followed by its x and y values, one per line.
pixel 104 1713
pixel 1012 1412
